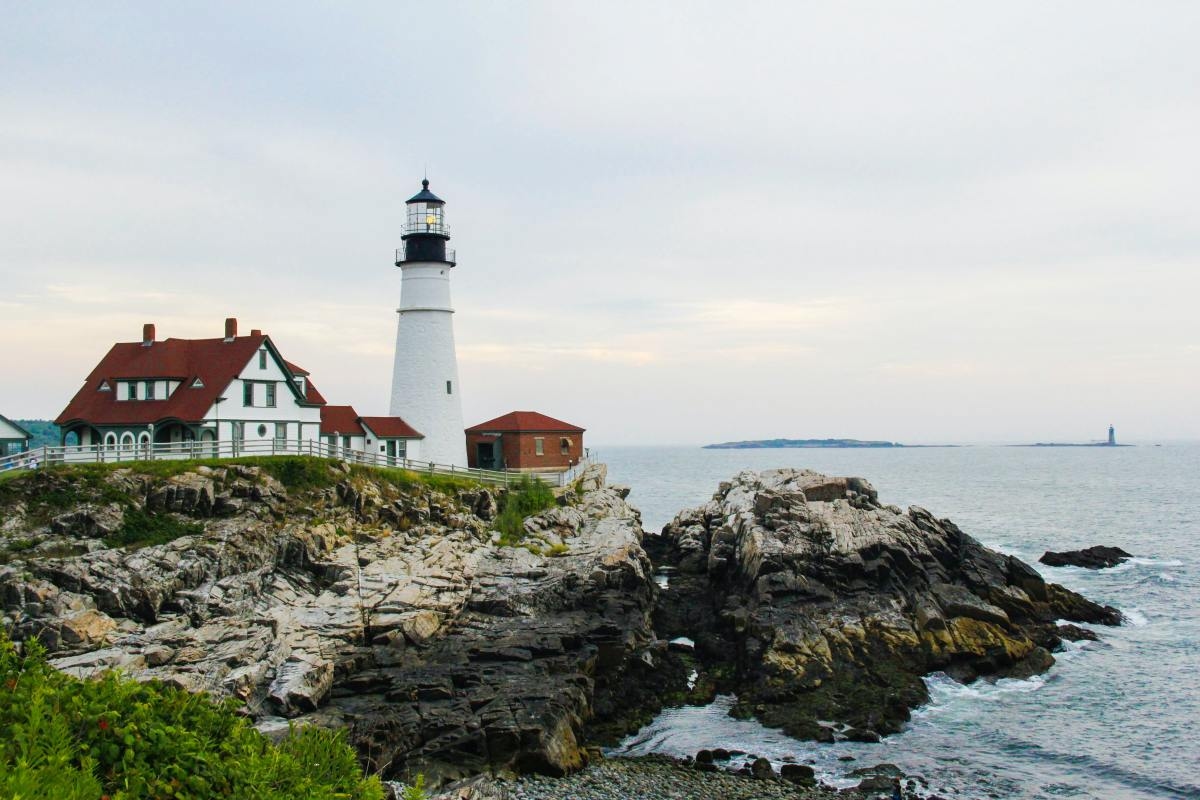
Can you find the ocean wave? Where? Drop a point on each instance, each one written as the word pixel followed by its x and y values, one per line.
pixel 1135 617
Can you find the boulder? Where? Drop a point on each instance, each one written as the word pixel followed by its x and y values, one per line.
pixel 1098 557
pixel 761 769
pixel 300 685
pixel 85 628
pixel 801 774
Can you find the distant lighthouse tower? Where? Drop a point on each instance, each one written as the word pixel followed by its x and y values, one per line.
pixel 1112 436
pixel 425 389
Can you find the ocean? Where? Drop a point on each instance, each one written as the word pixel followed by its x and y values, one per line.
pixel 1114 719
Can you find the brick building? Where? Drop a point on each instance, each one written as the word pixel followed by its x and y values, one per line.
pixel 525 440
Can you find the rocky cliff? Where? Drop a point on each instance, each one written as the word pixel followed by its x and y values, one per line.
pixel 384 602
pixel 822 608
pixel 318 593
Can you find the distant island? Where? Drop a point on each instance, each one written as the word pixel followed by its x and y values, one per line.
pixel 1110 442
pixel 1072 444
pixel 761 444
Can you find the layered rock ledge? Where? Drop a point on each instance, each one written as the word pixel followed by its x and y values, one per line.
pixel 354 598
pixel 822 608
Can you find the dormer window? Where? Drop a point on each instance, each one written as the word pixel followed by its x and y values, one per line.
pixel 149 390
pixel 104 387
pixel 197 384
pixel 131 392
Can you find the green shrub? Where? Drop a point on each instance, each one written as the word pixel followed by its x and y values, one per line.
pixel 528 497
pixel 142 529
pixel 415 790
pixel 70 738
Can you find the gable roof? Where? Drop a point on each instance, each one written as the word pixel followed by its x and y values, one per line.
pixel 525 421
pixel 341 420
pixel 344 420
pixel 216 362
pixel 391 428
pixel 16 427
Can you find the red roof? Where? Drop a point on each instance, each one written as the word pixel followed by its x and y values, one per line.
pixel 214 362
pixel 522 421
pixel 391 428
pixel 340 419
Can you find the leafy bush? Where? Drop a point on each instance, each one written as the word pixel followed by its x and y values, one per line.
pixel 141 529
pixel 68 738
pixel 530 496
pixel 415 790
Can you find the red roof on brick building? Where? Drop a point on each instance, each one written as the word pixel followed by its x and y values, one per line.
pixel 525 421
pixel 204 368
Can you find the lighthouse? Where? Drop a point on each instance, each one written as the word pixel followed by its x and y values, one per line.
pixel 425 390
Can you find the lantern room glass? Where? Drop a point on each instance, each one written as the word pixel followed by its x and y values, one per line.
pixel 426 218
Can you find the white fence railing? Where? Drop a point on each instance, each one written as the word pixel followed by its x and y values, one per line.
pixel 190 451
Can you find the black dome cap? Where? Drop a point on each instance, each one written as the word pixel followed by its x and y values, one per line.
pixel 425 196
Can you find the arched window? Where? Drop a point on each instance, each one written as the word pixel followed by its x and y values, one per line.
pixel 144 440
pixel 71 439
pixel 127 441
pixel 110 441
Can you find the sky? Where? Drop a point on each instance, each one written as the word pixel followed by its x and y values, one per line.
pixel 676 222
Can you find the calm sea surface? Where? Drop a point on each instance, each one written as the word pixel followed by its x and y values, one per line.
pixel 1119 718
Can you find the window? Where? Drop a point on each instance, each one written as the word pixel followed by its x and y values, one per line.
pixel 110 441
pixel 104 387
pixel 238 431
pixel 262 359
pixel 449 388
pixel 281 431
pixel 127 441
pixel 149 390
pixel 131 391
pixel 262 431
pixel 564 446
pixel 346 442
pixel 539 446
pixel 247 393
pixel 270 395
pixel 197 384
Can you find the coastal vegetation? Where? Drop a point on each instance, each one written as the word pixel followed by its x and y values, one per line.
pixel 530 496
pixel 113 737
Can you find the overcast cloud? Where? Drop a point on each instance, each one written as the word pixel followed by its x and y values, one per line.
pixel 676 222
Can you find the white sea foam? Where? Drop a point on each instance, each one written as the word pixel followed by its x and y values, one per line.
pixel 1135 617
pixel 1155 562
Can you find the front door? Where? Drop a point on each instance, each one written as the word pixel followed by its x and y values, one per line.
pixel 485 455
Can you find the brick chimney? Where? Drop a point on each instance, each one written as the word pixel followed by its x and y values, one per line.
pixel 148 334
pixel 255 332
pixel 230 328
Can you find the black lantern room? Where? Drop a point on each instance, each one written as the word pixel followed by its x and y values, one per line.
pixel 425 231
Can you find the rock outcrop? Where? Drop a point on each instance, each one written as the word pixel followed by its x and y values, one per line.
pixel 348 598
pixel 381 602
pixel 1098 557
pixel 819 605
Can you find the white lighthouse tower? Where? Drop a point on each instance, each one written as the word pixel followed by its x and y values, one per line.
pixel 425 389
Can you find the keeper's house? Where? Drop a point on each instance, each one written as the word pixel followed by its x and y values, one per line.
pixel 13 438
pixel 236 389
pixel 231 389
pixel 525 440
